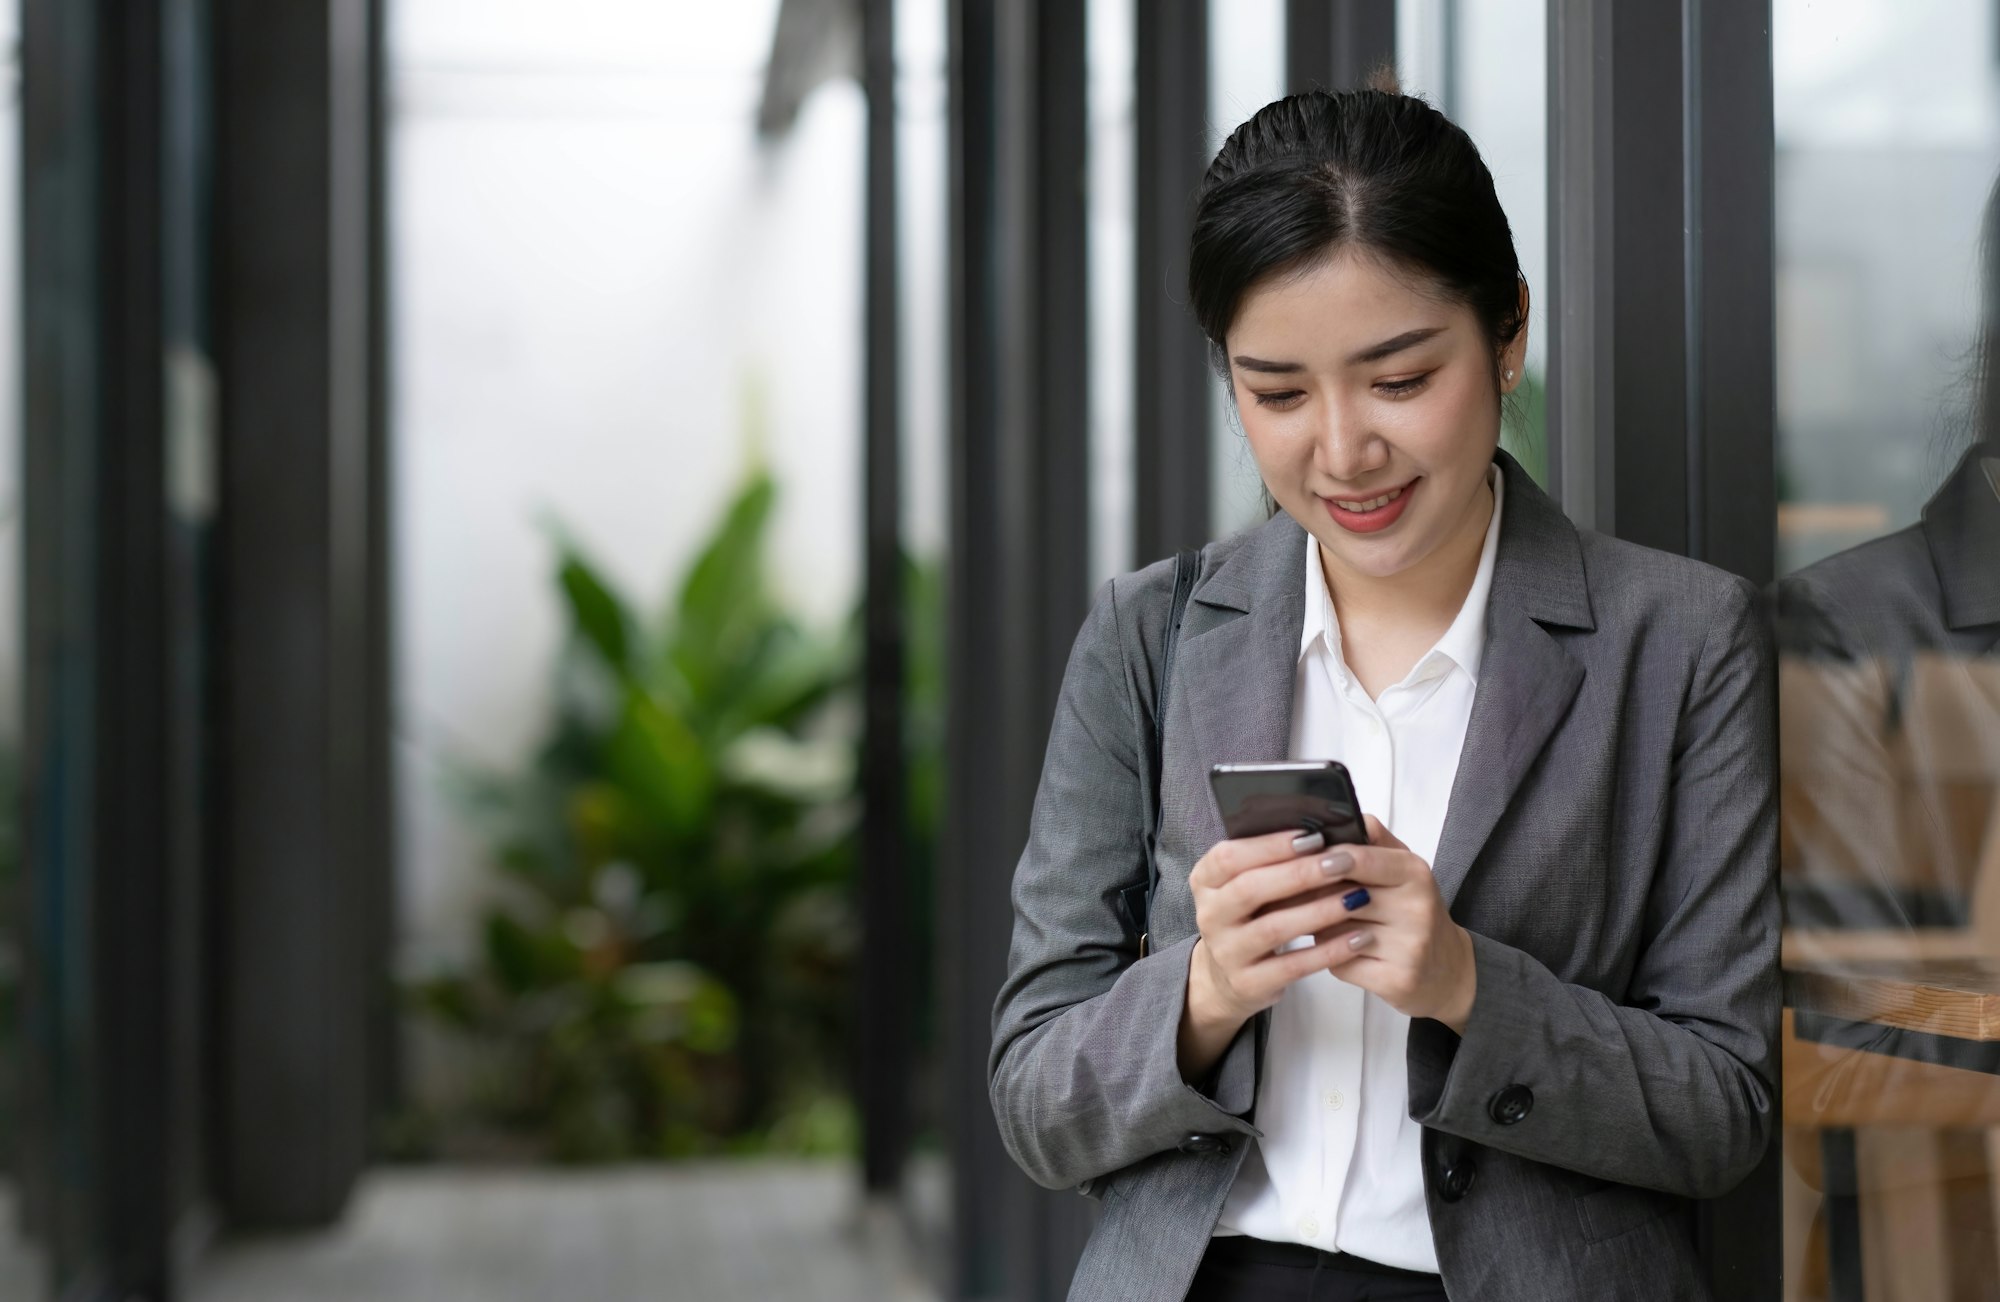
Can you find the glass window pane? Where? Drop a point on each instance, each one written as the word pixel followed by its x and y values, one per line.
pixel 1485 66
pixel 1886 143
pixel 1887 122
pixel 1113 249
pixel 1246 71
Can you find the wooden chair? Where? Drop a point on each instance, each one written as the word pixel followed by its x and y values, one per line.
pixel 1889 796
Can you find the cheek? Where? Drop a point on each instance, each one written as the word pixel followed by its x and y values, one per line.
pixel 1275 442
pixel 1461 419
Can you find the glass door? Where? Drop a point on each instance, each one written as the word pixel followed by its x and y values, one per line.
pixel 1888 602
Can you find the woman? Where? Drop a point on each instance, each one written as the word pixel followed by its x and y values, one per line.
pixel 1494 1053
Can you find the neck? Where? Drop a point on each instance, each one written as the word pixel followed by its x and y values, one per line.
pixel 1428 594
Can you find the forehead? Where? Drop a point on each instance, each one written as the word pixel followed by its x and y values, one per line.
pixel 1338 305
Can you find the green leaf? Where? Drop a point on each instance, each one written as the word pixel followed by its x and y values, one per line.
pixel 511 949
pixel 598 613
pixel 725 589
pixel 661 765
pixel 794 676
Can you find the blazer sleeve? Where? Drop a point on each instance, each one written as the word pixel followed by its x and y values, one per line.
pixel 1670 1088
pixel 1083 1072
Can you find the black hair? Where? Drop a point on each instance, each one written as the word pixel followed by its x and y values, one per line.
pixel 1986 376
pixel 1370 170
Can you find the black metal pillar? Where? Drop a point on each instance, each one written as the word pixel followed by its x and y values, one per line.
pixel 1732 394
pixel 1017 590
pixel 377 834
pixel 884 1047
pixel 303 863
pixel 110 976
pixel 1171 357
pixel 1662 350
pixel 1337 44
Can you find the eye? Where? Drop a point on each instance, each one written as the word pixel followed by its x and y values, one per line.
pixel 1280 399
pixel 1403 388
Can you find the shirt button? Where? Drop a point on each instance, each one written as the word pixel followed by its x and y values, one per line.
pixel 1308 1228
pixel 1333 1100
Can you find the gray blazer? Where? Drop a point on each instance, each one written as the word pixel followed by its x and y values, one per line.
pixel 1611 844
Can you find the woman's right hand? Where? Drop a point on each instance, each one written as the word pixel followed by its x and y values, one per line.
pixel 1251 896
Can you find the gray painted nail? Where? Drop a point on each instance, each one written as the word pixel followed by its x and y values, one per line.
pixel 1336 863
pixel 1308 843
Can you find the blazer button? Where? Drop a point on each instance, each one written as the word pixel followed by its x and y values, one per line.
pixel 1201 1143
pixel 1457 1180
pixel 1511 1105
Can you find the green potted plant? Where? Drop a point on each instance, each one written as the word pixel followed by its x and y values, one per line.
pixel 666 969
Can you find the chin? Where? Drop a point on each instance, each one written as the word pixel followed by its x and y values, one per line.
pixel 1382 561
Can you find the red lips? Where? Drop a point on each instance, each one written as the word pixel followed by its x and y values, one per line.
pixel 1376 520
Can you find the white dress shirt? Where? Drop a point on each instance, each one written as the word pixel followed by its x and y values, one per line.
pixel 1338 1166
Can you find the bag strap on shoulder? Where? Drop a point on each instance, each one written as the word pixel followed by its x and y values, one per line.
pixel 1139 898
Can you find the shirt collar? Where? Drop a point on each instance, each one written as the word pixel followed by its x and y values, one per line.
pixel 1463 643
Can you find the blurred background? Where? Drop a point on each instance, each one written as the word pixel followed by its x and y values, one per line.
pixel 538 543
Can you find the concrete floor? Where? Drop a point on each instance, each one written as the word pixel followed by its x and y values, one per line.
pixel 20 1265
pixel 712 1232
pixel 749 1231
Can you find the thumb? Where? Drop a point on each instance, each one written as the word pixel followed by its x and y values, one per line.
pixel 1380 835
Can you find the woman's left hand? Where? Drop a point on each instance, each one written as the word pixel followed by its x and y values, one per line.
pixel 1402 945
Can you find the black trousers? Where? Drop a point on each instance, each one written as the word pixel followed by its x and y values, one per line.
pixel 1237 1268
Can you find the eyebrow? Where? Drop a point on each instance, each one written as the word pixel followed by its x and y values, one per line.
pixel 1372 353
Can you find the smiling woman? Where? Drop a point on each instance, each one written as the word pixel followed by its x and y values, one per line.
pixel 1502 1046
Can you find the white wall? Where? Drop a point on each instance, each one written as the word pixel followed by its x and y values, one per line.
pixel 600 279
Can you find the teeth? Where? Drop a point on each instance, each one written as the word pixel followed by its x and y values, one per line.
pixel 1372 504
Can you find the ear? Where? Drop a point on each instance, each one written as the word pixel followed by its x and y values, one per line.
pixel 1514 357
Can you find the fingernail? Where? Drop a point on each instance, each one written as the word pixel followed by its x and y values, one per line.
pixel 1355 898
pixel 1308 843
pixel 1336 863
pixel 1361 940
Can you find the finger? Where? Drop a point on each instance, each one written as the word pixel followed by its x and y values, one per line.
pixel 1280 970
pixel 1270 930
pixel 1341 868
pixel 1227 859
pixel 1274 885
pixel 1359 905
pixel 1380 835
pixel 1372 865
pixel 1341 930
pixel 1303 897
pixel 1359 943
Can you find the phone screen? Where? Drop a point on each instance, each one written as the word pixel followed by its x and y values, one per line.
pixel 1309 796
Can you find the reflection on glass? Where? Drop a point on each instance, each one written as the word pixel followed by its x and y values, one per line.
pixel 1888 121
pixel 1889 629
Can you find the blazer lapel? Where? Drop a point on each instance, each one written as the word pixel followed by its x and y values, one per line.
pixel 1961 525
pixel 1527 681
pixel 1241 644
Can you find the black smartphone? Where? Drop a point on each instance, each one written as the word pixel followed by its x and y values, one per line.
pixel 1292 795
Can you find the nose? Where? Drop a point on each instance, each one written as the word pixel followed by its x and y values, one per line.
pixel 1349 447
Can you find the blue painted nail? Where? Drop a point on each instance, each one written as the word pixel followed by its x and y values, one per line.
pixel 1336 863
pixel 1355 898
